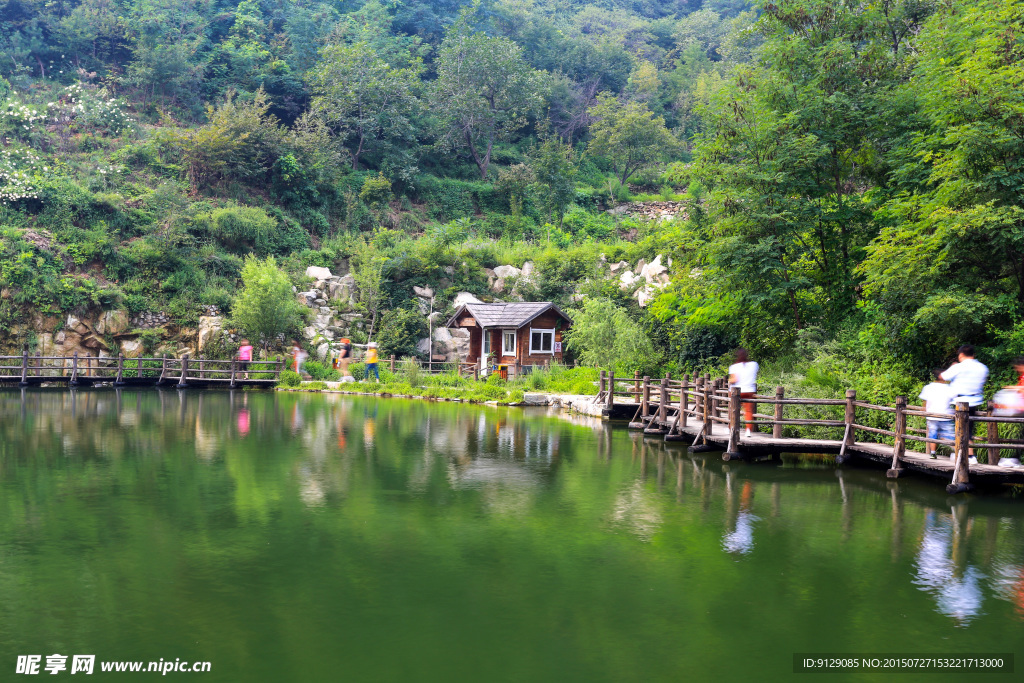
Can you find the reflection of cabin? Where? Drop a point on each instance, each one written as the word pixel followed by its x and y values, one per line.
pixel 513 334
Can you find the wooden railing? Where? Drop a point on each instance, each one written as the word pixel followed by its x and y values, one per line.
pixel 674 407
pixel 75 369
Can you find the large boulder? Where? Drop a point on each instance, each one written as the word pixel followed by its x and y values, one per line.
pixel 210 329
pixel 463 298
pixel 505 272
pixel 443 335
pixel 528 270
pixel 627 280
pixel 423 292
pixel 342 289
pixel 131 348
pixel 113 322
pixel 77 325
pixel 654 272
pixel 423 346
pixel 318 273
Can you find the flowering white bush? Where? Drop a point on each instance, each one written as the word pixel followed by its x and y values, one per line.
pixel 20 173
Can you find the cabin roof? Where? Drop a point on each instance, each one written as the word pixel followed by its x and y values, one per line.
pixel 514 314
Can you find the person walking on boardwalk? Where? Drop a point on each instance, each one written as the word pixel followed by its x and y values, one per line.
pixel 343 358
pixel 299 356
pixel 967 379
pixel 743 374
pixel 937 398
pixel 245 356
pixel 371 361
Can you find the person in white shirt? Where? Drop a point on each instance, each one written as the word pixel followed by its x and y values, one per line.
pixel 743 374
pixel 967 380
pixel 937 398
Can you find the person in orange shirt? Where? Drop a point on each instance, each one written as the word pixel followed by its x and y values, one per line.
pixel 371 361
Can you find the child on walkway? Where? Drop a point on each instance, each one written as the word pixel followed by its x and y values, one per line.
pixel 743 374
pixel 937 397
pixel 371 361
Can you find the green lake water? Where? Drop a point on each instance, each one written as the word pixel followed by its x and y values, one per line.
pixel 298 537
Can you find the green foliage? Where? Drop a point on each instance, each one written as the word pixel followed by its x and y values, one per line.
pixel 290 378
pixel 266 308
pixel 603 335
pixel 629 135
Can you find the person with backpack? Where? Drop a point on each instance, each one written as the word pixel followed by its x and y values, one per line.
pixel 371 361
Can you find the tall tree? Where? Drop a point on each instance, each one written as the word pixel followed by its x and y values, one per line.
pixel 483 92
pixel 629 135
pixel 368 103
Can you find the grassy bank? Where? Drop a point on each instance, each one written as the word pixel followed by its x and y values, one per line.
pixel 409 380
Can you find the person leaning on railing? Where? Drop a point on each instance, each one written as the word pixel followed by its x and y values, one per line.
pixel 967 380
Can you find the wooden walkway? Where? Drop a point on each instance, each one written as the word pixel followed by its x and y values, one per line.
pixel 708 415
pixel 26 370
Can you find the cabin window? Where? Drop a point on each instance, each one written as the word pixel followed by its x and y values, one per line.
pixel 542 341
pixel 508 342
pixel 487 343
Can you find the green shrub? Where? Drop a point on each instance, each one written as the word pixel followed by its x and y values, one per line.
pixel 289 378
pixel 321 371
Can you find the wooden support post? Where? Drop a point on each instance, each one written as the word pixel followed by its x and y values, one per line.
pixel 663 403
pixel 732 451
pixel 24 366
pixel 392 364
pixel 202 373
pixel 74 370
pixel 232 385
pixel 900 444
pixel 610 396
pixel 636 385
pixel 476 372
pixel 684 401
pixel 849 417
pixel 119 379
pixel 780 393
pixel 645 398
pixel 183 379
pixel 992 436
pixel 163 369
pixel 601 387
pixel 962 440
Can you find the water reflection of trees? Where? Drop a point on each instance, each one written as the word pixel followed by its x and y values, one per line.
pixel 280 456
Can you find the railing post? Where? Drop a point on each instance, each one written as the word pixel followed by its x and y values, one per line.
pixel 476 372
pixel 24 366
pixel 780 393
pixel 684 401
pixel 636 385
pixel 992 436
pixel 961 470
pixel 183 379
pixel 610 397
pixel 732 451
pixel 233 361
pixel 601 386
pixel 392 366
pixel 850 418
pixel 663 403
pixel 900 444
pixel 163 369
pixel 202 373
pixel 706 402
pixel 74 370
pixel 645 398
pixel 119 379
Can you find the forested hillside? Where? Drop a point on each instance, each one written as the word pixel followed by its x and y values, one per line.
pixel 849 175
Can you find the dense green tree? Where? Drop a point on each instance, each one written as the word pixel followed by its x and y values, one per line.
pixel 368 104
pixel 629 135
pixel 483 92
pixel 265 308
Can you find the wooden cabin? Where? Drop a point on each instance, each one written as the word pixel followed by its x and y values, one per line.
pixel 515 335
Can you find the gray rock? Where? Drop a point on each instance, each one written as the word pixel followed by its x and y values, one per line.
pixel 318 273
pixel 423 292
pixel 505 272
pixel 463 298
